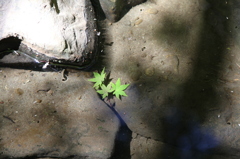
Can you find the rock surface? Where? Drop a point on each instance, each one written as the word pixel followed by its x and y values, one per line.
pixel 142 148
pixel 59 29
pixel 181 60
pixel 52 117
pixel 115 9
pixel 186 85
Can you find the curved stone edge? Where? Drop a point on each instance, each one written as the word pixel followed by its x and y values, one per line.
pixel 68 39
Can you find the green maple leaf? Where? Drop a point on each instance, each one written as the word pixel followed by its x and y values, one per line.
pixel 118 89
pixel 105 90
pixel 98 79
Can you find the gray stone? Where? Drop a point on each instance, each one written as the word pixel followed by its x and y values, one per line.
pixel 189 101
pixel 142 148
pixel 45 116
pixel 60 29
pixel 115 9
pixel 138 108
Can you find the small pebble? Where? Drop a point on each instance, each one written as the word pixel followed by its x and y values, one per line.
pixel 149 71
pixel 152 11
pixel 134 135
pixel 79 98
pixel 50 92
pixel 19 91
pixel 37 101
pixel 138 21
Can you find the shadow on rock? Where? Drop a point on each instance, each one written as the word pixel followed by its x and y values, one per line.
pixel 195 97
pixel 184 125
pixel 185 133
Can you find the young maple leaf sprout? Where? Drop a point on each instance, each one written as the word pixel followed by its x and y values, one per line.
pixel 118 89
pixel 106 88
pixel 98 79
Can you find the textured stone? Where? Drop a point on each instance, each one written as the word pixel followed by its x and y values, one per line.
pixel 149 71
pixel 60 29
pixel 69 121
pixel 142 148
pixel 115 9
pixel 191 99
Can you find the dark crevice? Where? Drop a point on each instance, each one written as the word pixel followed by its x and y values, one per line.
pixel 53 3
pixel 122 140
pixel 100 16
pixel 10 43
pixel 123 137
pixel 98 10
